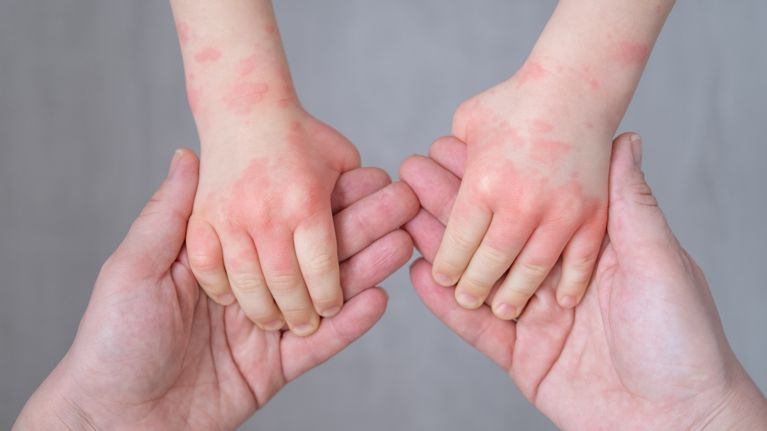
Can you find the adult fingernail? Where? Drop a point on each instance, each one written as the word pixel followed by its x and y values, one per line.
pixel 506 312
pixel 443 280
pixel 567 301
pixel 174 162
pixel 636 149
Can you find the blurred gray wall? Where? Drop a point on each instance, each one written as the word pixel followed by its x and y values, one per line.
pixel 92 106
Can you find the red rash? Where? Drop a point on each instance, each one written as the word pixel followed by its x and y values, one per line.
pixel 208 55
pixel 541 126
pixel 548 150
pixel 182 29
pixel 243 97
pixel 630 53
pixel 531 71
pixel 594 84
pixel 248 65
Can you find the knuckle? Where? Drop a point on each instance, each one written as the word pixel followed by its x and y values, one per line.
pixel 284 283
pixel 248 283
pixel 322 263
pixel 459 240
pixel 493 257
pixel 473 285
pixel 203 260
pixel 532 273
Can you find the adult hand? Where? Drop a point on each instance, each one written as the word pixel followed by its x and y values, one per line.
pixel 153 352
pixel 645 349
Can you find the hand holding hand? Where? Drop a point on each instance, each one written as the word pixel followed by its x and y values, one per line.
pixel 153 352
pixel 644 350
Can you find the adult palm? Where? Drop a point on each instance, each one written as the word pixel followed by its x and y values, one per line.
pixel 153 352
pixel 644 350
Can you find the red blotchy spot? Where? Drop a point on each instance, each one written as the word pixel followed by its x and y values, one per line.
pixel 548 150
pixel 184 34
pixel 589 125
pixel 193 97
pixel 594 84
pixel 244 96
pixel 531 71
pixel 541 126
pixel 270 29
pixel 630 53
pixel 208 55
pixel 248 65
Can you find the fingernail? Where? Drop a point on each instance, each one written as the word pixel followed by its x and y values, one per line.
pixel 303 330
pixel 330 312
pixel 506 312
pixel 468 301
pixel 567 301
pixel 225 299
pixel 443 280
pixel 174 162
pixel 636 149
pixel 274 325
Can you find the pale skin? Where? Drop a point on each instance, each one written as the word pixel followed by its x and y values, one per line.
pixel 645 349
pixel 261 232
pixel 153 352
pixel 535 187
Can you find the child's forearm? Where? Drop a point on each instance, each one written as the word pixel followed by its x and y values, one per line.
pixel 591 56
pixel 236 70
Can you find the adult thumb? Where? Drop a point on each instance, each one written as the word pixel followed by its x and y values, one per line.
pixel 156 237
pixel 636 223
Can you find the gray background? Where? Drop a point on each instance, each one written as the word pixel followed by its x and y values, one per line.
pixel 92 106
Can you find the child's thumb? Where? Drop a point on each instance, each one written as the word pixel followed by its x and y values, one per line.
pixel 156 237
pixel 635 221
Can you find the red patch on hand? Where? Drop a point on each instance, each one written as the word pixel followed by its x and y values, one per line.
pixel 531 71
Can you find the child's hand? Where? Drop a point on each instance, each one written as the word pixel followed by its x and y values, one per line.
pixel 262 226
pixel 535 188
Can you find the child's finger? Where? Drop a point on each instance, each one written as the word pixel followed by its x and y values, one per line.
pixel 316 250
pixel 467 226
pixel 248 282
pixel 286 284
pixel 206 259
pixel 501 245
pixel 529 270
pixel 578 262
pixel 357 184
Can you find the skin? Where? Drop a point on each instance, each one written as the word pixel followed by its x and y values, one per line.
pixel 154 352
pixel 535 186
pixel 645 349
pixel 261 231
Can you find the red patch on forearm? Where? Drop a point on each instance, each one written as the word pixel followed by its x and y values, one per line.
pixel 244 96
pixel 184 35
pixel 208 55
pixel 631 53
